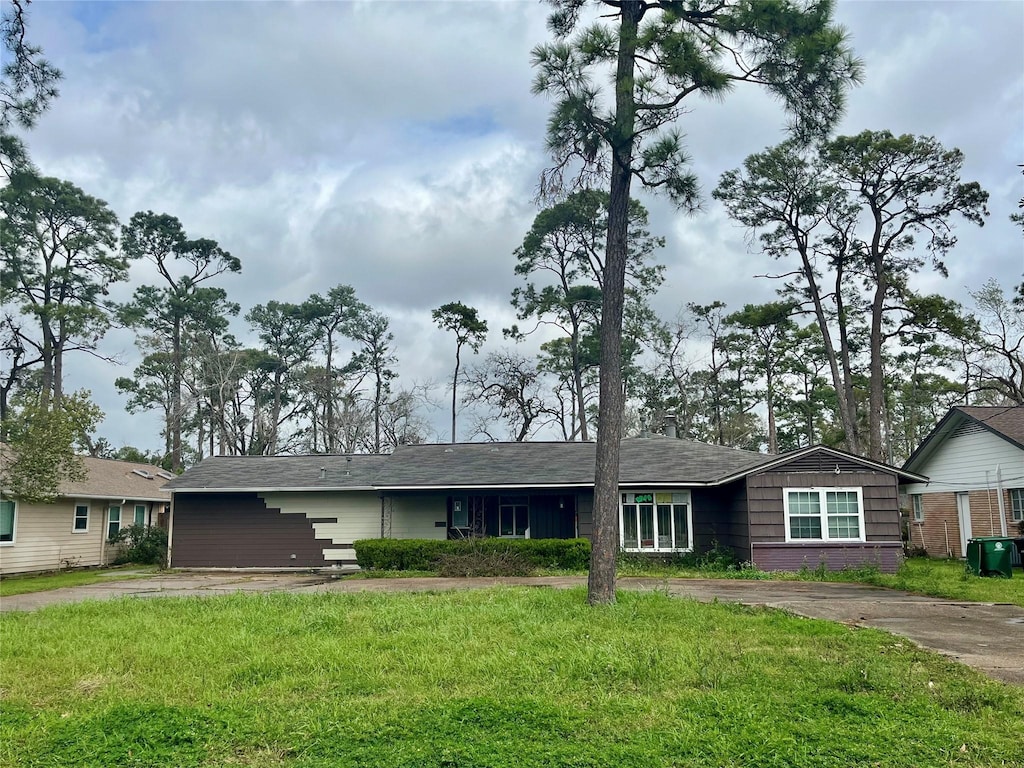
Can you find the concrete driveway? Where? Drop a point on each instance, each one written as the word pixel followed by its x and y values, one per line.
pixel 988 637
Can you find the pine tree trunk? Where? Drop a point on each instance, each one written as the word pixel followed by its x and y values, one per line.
pixel 605 539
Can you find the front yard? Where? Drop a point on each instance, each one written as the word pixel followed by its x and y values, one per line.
pixel 503 677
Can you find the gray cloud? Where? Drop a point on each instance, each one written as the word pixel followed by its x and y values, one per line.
pixel 396 147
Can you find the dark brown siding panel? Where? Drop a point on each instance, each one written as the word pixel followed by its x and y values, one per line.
pixel 719 517
pixel 878 491
pixel 886 556
pixel 237 530
pixel 822 462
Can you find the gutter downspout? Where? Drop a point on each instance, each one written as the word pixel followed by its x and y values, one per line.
pixel 170 529
pixel 999 496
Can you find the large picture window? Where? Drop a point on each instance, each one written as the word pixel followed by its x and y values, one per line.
pixel 655 522
pixel 825 514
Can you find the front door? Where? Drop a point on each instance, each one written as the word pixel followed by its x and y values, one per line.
pixel 963 513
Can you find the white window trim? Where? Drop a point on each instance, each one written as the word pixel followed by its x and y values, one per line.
pixel 14 526
pixel 917 507
pixel 656 548
pixel 108 521
pixel 74 517
pixel 823 512
pixel 526 532
pixel 1015 515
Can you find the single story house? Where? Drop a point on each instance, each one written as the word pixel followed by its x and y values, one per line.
pixel 974 461
pixel 811 506
pixel 73 530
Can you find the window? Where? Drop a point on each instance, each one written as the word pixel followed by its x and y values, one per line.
pixel 140 514
pixel 655 522
pixel 81 522
pixel 1017 504
pixel 8 515
pixel 917 506
pixel 113 521
pixel 513 516
pixel 825 515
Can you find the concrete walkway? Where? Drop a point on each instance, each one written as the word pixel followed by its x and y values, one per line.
pixel 988 637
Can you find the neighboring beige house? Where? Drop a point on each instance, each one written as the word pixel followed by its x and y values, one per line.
pixel 73 531
pixel 974 459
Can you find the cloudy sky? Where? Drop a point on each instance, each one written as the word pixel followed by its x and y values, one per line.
pixel 395 147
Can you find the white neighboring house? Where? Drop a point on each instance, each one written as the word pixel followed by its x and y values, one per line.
pixel 974 459
pixel 73 531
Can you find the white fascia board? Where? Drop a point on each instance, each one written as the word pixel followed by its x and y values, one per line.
pixel 287 489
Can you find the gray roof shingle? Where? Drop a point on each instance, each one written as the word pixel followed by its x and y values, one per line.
pixel 264 473
pixel 649 460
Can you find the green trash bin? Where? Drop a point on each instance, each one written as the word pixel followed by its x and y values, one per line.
pixel 991 556
pixel 974 556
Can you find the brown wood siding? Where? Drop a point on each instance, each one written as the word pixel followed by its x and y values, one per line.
pixel 719 515
pixel 237 530
pixel 886 556
pixel 820 462
pixel 878 490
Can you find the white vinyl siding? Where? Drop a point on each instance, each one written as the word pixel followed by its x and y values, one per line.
pixel 46 540
pixel 824 514
pixel 961 464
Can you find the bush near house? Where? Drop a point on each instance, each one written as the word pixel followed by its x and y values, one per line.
pixel 140 544
pixel 429 554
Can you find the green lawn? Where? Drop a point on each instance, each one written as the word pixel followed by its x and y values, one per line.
pixel 503 677
pixel 945 578
pixel 20 585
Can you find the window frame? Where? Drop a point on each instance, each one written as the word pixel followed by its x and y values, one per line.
pixel 1016 505
pixel 75 517
pixel 111 520
pixel 823 514
pixel 512 505
pixel 14 523
pixel 917 507
pixel 654 504
pixel 135 518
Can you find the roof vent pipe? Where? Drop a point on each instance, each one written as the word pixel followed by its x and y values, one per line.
pixel 644 431
pixel 670 424
pixel 323 473
pixel 348 466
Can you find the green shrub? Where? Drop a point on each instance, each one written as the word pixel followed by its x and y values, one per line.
pixel 427 554
pixel 142 544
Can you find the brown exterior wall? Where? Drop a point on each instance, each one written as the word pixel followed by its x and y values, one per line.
pixel 941 522
pixel 887 556
pixel 237 530
pixel 879 491
pixel 719 515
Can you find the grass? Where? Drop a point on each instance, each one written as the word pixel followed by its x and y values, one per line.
pixel 943 578
pixel 502 677
pixel 21 585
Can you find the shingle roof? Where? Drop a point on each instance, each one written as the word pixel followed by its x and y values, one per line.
pixel 264 473
pixel 653 460
pixel 1005 421
pixel 110 479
